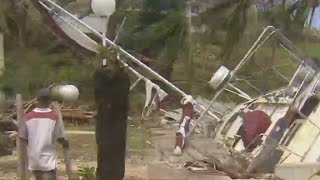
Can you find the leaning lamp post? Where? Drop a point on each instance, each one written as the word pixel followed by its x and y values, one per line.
pixel 103 9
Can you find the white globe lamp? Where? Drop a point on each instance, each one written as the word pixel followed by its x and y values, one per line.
pixel 103 7
pixel 219 77
pixel 69 93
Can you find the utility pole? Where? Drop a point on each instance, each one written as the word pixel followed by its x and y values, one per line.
pixel 189 44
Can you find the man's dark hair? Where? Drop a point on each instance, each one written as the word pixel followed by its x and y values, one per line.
pixel 44 97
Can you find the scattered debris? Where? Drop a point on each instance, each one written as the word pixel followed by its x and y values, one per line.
pixel 200 166
pixel 70 115
pixel 6 145
pixel 77 116
pixel 7 126
pixel 217 167
pixel 148 142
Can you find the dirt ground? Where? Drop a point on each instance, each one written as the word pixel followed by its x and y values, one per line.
pixel 149 154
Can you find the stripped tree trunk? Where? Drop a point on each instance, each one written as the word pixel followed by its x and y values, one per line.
pixel 112 97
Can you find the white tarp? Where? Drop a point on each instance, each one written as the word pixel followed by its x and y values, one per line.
pixel 72 30
pixel 93 21
pixel 75 34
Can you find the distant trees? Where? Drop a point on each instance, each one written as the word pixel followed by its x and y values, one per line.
pixel 13 20
pixel 159 33
pixel 227 23
pixel 159 30
pixel 236 25
pixel 235 17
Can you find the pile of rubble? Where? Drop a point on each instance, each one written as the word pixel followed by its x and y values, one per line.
pixel 78 115
pixel 74 115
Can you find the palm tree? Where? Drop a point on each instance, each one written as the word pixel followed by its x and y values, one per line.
pixel 231 17
pixel 161 26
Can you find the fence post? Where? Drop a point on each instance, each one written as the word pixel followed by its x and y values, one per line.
pixel 21 145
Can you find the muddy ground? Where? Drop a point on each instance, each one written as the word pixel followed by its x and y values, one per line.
pixel 149 153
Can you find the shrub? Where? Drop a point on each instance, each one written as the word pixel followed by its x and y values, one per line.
pixel 86 173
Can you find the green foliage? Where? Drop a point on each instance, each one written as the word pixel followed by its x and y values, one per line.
pixel 86 173
pixel 291 19
pixel 14 19
pixel 159 31
pixel 298 14
pixel 11 25
pixel 137 101
pixel 113 65
pixel 162 29
pixel 138 137
pixel 163 5
pixel 29 70
pixel 155 36
pixel 236 25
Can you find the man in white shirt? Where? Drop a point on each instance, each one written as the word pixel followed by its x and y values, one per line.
pixel 41 130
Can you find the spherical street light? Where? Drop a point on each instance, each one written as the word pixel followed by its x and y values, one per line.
pixel 103 7
pixel 68 93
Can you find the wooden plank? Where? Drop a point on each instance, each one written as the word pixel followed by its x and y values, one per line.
pixel 66 151
pixel 21 144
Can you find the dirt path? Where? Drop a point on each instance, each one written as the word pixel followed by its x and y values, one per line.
pixel 80 132
pixel 149 154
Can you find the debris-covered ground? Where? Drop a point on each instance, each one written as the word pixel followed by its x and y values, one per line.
pixel 149 154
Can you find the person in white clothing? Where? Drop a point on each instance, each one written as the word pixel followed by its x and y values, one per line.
pixel 41 130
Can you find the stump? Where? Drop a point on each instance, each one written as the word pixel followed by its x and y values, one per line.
pixel 112 101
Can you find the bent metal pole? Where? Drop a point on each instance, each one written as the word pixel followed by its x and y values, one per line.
pixel 121 50
pixel 109 42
